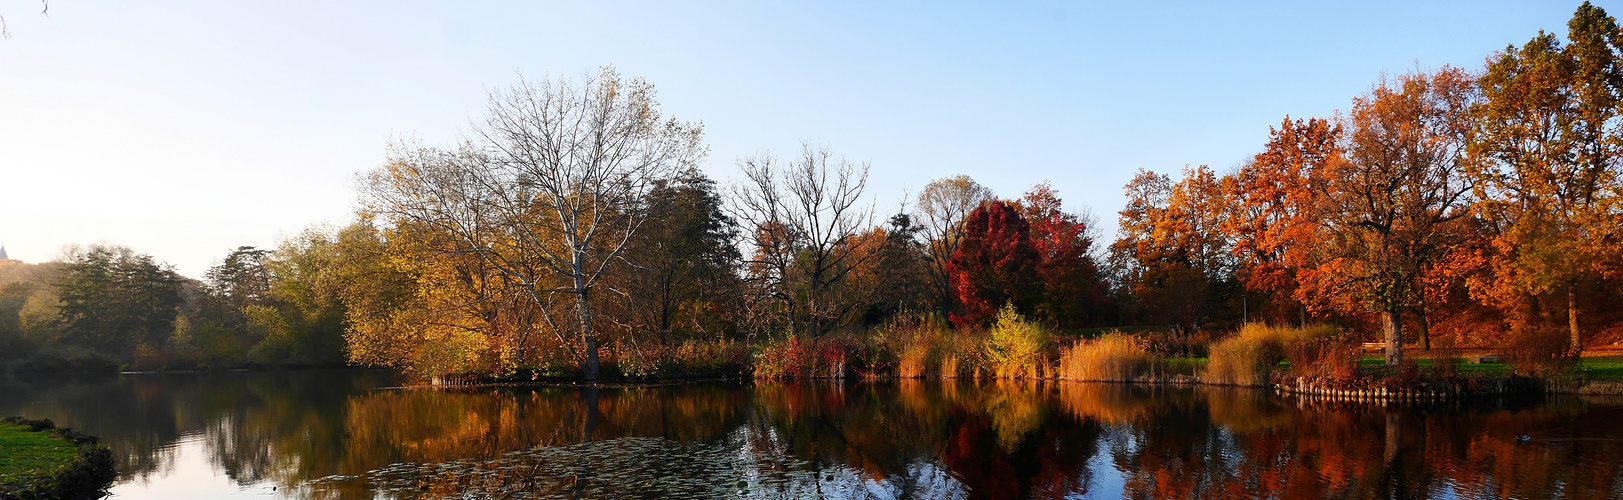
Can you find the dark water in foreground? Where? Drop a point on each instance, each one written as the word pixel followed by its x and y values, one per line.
pixel 344 434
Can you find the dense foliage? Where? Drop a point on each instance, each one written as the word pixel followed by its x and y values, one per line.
pixel 573 234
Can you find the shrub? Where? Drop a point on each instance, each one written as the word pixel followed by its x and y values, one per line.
pixel 916 342
pixel 1178 342
pixel 1319 351
pixel 68 360
pixel 1539 350
pixel 1113 357
pixel 1015 346
pixel 785 359
pixel 1445 370
pixel 1241 360
pixel 805 358
pixel 688 358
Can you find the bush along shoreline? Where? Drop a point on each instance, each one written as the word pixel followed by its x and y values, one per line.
pixel 42 461
pixel 1317 361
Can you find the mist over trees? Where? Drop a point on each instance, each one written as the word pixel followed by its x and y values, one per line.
pixel 574 233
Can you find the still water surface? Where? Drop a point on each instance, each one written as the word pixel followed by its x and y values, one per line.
pixel 353 434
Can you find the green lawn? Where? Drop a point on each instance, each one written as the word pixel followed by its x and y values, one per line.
pixel 1184 366
pixel 1597 368
pixel 27 457
pixel 1604 367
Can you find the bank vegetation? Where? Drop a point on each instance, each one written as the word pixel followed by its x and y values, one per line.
pixel 573 233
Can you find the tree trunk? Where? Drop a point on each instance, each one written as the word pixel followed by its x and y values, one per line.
pixel 1572 318
pixel 586 333
pixel 584 475
pixel 1423 330
pixel 1394 437
pixel 1392 325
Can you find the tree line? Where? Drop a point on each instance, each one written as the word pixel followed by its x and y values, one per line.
pixel 573 230
pixel 1486 202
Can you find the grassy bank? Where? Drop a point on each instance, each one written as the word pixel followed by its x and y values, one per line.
pixel 38 460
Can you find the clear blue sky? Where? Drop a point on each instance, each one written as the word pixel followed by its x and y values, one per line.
pixel 185 129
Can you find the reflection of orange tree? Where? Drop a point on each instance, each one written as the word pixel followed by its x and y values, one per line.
pixel 1483 454
pixel 1225 444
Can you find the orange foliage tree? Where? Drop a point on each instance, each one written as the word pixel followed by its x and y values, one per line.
pixel 1171 251
pixel 1385 209
pixel 1272 214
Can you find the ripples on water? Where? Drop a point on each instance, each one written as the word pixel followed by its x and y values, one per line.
pixel 345 434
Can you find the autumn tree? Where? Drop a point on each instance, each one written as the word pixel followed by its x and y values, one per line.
pixel 939 212
pixel 682 262
pixel 547 193
pixel 1547 141
pixel 894 278
pixel 27 306
pixel 1386 210
pixel 803 215
pixel 1272 213
pixel 995 264
pixel 1072 289
pixel 1171 251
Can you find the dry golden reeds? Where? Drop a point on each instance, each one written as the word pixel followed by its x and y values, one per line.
pixel 1249 357
pixel 1111 358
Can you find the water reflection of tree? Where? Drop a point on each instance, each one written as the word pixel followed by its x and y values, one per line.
pixel 1224 444
pixel 904 439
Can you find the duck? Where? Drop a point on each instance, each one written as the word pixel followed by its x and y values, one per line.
pixel 1522 438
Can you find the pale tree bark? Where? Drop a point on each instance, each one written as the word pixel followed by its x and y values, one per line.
pixel 548 192
pixel 1392 328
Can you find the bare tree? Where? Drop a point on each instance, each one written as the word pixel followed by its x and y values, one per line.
pixel 804 216
pixel 942 206
pixel 548 191
pixel 5 31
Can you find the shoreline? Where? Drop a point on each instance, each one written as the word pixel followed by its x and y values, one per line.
pixel 1483 388
pixel 88 474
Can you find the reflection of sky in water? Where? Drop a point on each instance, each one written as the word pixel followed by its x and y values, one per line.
pixel 190 472
pixel 645 467
pixel 1107 479
pixel 337 435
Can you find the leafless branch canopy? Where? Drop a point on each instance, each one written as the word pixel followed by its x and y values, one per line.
pixel 803 216
pixel 548 190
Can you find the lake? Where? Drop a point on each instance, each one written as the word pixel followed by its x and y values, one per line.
pixel 356 434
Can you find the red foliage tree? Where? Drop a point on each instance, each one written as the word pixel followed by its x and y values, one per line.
pixel 1072 291
pixel 996 264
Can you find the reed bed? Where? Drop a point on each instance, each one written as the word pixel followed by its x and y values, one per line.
pixel 1249 357
pixel 1113 357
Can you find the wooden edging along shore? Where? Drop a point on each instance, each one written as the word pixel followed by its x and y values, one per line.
pixel 1299 387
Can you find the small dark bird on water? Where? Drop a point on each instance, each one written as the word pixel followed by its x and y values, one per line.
pixel 1522 438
